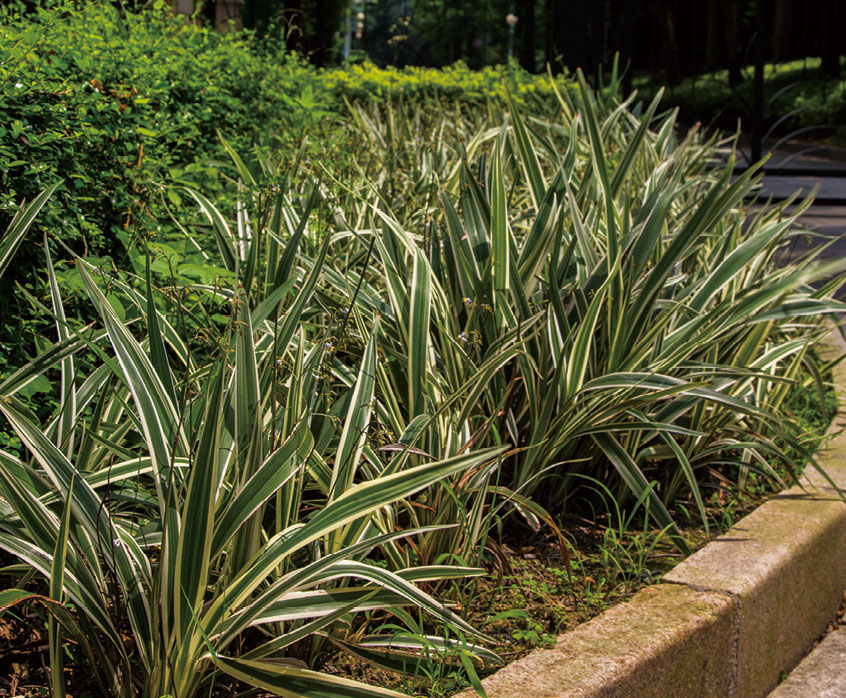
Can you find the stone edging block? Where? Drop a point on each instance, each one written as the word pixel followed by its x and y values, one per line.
pixel 633 649
pixel 726 622
pixel 785 564
pixel 832 457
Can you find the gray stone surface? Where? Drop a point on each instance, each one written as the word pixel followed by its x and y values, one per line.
pixel 781 186
pixel 826 218
pixel 832 456
pixel 798 154
pixel 781 160
pixel 827 225
pixel 822 674
pixel 785 563
pixel 805 170
pixel 667 641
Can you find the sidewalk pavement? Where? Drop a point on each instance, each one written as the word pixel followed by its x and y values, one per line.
pixel 822 674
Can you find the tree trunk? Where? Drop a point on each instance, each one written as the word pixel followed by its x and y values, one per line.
pixel 596 51
pixel 571 33
pixel 830 31
pixel 712 49
pixel 671 47
pixel 527 26
pixel 762 27
pixel 629 44
pixel 549 33
pixel 732 39
pixel 781 29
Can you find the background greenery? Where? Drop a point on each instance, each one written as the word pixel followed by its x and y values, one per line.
pixel 798 100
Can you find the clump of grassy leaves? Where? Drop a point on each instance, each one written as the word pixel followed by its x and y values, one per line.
pixel 308 422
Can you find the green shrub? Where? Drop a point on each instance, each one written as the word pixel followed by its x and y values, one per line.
pixel 114 108
pixel 118 106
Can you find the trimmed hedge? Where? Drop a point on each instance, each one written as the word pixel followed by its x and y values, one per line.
pixel 367 81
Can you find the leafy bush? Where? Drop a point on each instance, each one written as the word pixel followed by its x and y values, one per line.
pixel 113 108
pixel 613 290
pixel 210 506
pixel 119 105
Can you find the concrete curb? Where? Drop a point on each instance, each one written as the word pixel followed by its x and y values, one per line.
pixel 727 621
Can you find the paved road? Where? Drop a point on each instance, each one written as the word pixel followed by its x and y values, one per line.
pixel 831 190
pixel 822 674
pixel 803 161
pixel 826 223
pixel 826 219
pixel 787 172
